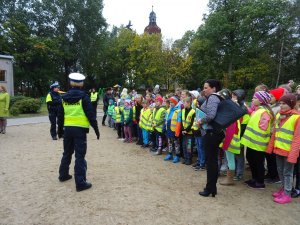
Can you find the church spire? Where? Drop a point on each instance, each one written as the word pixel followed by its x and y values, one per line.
pixel 152 27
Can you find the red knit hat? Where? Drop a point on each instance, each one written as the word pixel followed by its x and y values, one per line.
pixel 277 93
pixel 289 99
pixel 159 99
pixel 174 100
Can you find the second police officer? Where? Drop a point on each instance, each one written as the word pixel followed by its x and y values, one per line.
pixel 76 115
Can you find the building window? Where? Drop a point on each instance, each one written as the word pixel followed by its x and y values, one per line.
pixel 2 75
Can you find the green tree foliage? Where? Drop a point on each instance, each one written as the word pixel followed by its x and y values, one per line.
pixel 244 38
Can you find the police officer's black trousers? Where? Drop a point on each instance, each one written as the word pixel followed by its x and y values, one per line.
pixel 53 121
pixel 74 140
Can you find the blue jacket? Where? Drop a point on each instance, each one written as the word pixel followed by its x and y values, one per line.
pixel 168 118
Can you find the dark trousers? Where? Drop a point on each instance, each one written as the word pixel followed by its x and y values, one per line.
pixel 105 115
pixel 94 104
pixel 211 142
pixel 74 140
pixel 53 122
pixel 140 134
pixel 256 160
pixel 271 165
pixel 120 130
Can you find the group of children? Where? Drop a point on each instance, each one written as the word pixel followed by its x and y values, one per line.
pixel 269 131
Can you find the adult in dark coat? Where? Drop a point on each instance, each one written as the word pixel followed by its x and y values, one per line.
pixel 107 96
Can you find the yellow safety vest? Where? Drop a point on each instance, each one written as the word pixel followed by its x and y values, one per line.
pixel 144 119
pixel 48 98
pixel 246 119
pixel 74 115
pixel 254 137
pixel 194 104
pixel 94 96
pixel 126 113
pixel 284 135
pixel 235 144
pixel 173 119
pixel 150 121
pixel 157 117
pixel 118 115
pixel 188 120
pixel 133 113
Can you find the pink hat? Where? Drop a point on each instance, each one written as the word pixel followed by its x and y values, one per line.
pixel 159 99
pixel 263 97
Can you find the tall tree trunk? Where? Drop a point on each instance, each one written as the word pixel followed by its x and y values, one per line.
pixel 280 63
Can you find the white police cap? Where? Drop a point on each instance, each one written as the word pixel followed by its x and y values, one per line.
pixel 54 85
pixel 76 77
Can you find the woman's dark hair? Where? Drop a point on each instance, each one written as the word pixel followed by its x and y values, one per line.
pixel 213 83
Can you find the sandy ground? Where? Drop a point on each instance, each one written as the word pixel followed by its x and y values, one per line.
pixel 130 186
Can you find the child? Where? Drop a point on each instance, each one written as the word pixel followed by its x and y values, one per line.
pixel 157 124
pixel 187 120
pixel 238 96
pixel 285 143
pixel 110 112
pixel 257 136
pixel 137 115
pixel 198 133
pixel 144 123
pixel 272 174
pixel 172 129
pixel 118 115
pixel 127 121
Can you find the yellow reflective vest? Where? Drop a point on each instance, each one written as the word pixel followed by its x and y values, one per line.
pixel 144 119
pixel 284 135
pixel 173 119
pixel 254 137
pixel 74 115
pixel 157 117
pixel 187 120
pixel 235 144
pixel 94 96
pixel 117 114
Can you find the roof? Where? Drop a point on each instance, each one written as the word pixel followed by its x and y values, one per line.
pixel 6 57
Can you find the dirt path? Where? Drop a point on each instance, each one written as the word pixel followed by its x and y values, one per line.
pixel 130 186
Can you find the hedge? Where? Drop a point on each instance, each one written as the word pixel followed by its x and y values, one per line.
pixel 22 104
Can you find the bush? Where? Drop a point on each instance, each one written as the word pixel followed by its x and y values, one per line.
pixel 25 105
pixel 15 99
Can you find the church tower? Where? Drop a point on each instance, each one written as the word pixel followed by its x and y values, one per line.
pixel 152 28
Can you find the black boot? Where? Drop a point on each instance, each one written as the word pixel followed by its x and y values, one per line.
pixel 84 187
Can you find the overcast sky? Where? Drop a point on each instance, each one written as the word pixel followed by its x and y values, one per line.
pixel 174 17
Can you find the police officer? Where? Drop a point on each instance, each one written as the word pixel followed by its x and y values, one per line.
pixel 94 99
pixel 76 116
pixel 53 101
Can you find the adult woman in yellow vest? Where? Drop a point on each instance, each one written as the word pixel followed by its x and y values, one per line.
pixel 4 109
pixel 157 124
pixel 76 116
pixel 172 129
pixel 144 123
pixel 285 143
pixel 256 138
pixel 187 120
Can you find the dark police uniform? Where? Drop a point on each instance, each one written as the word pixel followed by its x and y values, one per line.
pixel 76 115
pixel 53 101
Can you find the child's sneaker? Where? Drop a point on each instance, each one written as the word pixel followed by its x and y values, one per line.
pixel 196 164
pixel 278 193
pixel 283 199
pixel 168 157
pixel 238 178
pixel 176 159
